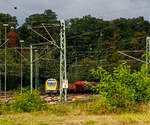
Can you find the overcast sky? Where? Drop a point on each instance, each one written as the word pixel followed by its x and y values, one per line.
pixel 65 9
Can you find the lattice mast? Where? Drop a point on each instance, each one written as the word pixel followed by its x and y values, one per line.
pixel 62 48
pixel 148 53
pixel 63 75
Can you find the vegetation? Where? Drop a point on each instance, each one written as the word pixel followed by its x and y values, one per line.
pixel 74 113
pixel 69 114
pixel 92 43
pixel 89 39
pixel 25 102
pixel 123 90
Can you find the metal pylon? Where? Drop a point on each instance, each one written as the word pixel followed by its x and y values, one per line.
pixel 36 71
pixel 62 48
pixel 63 76
pixel 148 53
pixel 31 69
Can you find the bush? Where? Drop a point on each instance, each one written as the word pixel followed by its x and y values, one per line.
pixel 27 102
pixel 123 89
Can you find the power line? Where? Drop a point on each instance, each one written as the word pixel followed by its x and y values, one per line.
pixel 131 57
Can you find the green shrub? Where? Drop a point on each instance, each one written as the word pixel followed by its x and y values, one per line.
pixel 27 102
pixel 123 89
pixel 41 88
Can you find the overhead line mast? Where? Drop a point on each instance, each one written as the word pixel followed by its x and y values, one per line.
pixel 148 53
pixel 63 74
pixel 62 48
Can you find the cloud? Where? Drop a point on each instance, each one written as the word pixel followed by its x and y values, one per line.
pixel 107 9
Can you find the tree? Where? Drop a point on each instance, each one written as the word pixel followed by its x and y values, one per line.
pixel 6 19
pixel 48 18
pixel 12 39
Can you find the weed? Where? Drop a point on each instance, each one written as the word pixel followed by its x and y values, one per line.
pixel 91 122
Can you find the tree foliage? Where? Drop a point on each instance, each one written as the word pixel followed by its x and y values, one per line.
pixel 48 18
pixel 88 38
pixel 123 88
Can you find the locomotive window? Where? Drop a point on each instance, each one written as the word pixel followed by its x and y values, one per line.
pixel 51 83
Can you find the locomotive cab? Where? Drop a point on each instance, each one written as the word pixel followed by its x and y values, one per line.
pixel 51 86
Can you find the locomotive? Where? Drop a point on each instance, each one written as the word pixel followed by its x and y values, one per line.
pixel 51 86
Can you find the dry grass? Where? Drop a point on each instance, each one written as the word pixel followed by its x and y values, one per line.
pixel 74 118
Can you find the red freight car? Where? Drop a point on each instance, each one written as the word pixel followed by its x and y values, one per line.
pixel 79 86
pixel 71 88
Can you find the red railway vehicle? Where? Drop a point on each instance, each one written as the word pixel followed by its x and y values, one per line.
pixel 79 85
pixel 71 88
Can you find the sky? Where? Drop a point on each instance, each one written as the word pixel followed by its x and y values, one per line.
pixel 65 9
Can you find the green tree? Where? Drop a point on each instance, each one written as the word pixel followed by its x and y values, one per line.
pixel 123 88
pixel 48 18
pixel 6 19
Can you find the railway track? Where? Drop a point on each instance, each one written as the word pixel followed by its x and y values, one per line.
pixel 71 98
pixel 9 95
pixel 49 99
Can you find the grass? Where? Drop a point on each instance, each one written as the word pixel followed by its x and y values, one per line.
pixel 46 118
pixel 72 114
pixel 77 113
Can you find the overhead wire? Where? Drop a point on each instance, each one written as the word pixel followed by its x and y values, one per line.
pixel 80 34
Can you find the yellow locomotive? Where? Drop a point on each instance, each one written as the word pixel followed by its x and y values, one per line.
pixel 51 86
